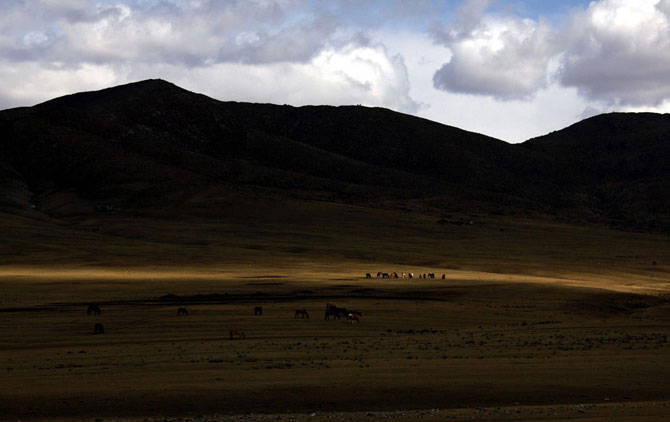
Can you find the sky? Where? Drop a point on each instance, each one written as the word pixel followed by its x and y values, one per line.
pixel 511 69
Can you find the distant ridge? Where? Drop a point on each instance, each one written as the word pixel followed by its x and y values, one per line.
pixel 148 144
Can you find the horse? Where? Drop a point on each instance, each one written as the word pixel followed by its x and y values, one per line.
pixel 379 273
pixel 258 310
pixel 334 311
pixel 410 275
pixel 431 275
pixel 394 275
pixel 353 318
pixel 359 313
pixel 444 276
pixel 368 275
pixel 386 275
pixel 93 309
pixel 98 328
pixel 302 312
pixel 182 311
pixel 237 332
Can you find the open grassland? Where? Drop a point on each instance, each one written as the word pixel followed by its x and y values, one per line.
pixel 534 321
pixel 463 342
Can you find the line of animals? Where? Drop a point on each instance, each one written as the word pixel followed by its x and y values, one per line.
pixel 331 311
pixel 404 275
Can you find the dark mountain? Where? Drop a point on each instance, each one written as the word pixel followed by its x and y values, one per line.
pixel 617 164
pixel 151 146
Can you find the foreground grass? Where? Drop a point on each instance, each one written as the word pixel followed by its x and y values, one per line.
pixel 440 344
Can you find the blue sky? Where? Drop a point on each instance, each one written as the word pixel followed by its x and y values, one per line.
pixel 511 69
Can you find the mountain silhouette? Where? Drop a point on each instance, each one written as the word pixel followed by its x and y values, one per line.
pixel 154 146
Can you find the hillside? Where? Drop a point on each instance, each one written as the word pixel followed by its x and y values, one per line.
pixel 617 164
pixel 152 147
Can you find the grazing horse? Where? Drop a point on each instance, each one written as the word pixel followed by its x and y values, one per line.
pixel 410 275
pixel 394 275
pixel 353 318
pixel 182 311
pixel 379 273
pixel 431 275
pixel 302 313
pixel 93 309
pixel 98 328
pixel 258 310
pixel 359 313
pixel 368 275
pixel 386 275
pixel 334 311
pixel 237 332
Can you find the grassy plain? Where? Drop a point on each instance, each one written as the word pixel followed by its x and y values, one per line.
pixel 556 321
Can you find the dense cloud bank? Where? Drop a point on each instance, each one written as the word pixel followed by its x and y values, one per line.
pixel 613 51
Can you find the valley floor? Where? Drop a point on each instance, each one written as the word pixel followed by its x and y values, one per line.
pixel 478 346
pixel 535 320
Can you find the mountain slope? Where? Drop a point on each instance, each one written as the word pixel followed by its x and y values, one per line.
pixel 618 163
pixel 152 139
pixel 151 145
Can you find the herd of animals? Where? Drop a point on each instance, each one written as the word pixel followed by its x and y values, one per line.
pixel 333 311
pixel 403 275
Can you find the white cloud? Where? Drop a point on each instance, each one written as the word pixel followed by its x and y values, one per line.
pixel 505 57
pixel 352 74
pixel 619 52
pixel 615 52
pixel 30 83
pixel 260 50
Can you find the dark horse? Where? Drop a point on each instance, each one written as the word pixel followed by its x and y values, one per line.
pixel 334 311
pixel 98 328
pixel 302 313
pixel 93 309
pixel 237 332
pixel 258 310
pixel 182 311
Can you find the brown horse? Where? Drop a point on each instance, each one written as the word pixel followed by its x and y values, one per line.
pixel 302 313
pixel 182 311
pixel 353 318
pixel 237 332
